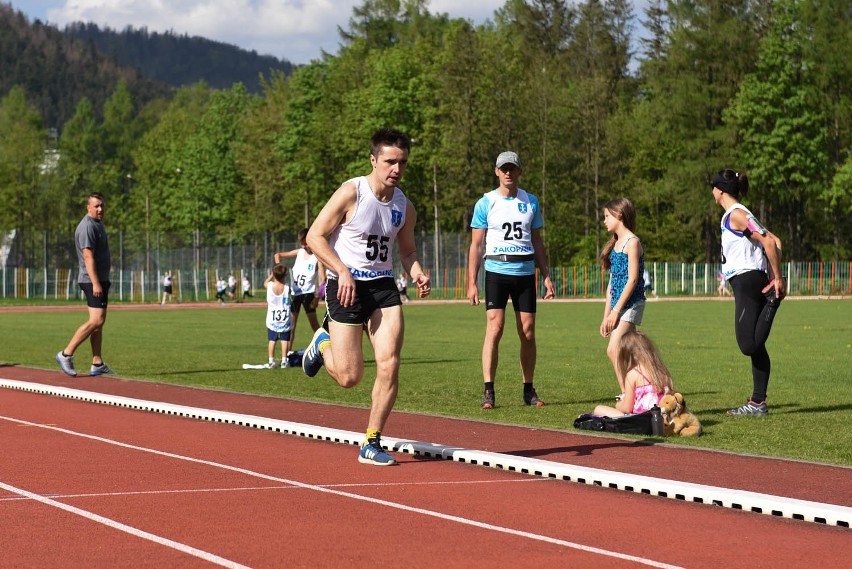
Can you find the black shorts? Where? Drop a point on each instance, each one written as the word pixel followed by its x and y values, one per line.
pixel 167 289
pixel 369 297
pixel 306 300
pixel 91 300
pixel 499 287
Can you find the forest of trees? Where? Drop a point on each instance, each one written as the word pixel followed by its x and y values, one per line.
pixel 180 59
pixel 56 71
pixel 761 86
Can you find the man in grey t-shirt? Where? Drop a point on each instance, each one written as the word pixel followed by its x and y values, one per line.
pixel 92 248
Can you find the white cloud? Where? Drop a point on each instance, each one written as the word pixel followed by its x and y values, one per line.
pixel 296 30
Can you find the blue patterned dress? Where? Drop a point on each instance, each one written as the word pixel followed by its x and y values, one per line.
pixel 618 277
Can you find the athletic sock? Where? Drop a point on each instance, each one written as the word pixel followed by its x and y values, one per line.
pixel 489 386
pixel 323 345
pixel 528 387
pixel 373 435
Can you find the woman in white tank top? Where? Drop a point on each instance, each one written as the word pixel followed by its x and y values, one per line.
pixel 748 248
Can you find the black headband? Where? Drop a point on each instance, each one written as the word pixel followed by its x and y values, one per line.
pixel 728 186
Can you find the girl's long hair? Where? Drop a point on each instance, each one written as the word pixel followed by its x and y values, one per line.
pixel 623 209
pixel 637 349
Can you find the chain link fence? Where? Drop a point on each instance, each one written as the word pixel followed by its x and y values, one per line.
pixel 195 261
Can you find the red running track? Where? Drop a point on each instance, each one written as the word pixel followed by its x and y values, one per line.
pixel 87 485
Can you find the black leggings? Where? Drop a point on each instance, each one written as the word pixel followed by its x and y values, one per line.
pixel 752 322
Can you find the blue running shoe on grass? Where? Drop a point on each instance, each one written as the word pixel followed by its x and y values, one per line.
pixel 312 359
pixel 372 453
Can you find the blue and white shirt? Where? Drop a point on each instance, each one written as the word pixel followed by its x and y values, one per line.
pixel 509 222
pixel 304 273
pixel 277 309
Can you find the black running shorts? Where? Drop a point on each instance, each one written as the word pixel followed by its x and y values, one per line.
pixel 369 297
pixel 499 288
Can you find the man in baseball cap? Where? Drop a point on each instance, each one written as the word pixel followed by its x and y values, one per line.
pixel 506 233
pixel 508 158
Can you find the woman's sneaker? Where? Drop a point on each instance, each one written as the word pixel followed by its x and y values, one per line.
pixel 100 369
pixel 372 453
pixel 312 360
pixel 750 409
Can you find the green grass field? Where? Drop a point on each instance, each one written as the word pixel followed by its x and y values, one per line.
pixel 809 396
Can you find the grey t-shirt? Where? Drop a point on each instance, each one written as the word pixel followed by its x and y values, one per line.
pixel 90 234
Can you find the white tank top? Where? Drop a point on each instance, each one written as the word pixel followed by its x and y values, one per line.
pixel 304 273
pixel 739 253
pixel 365 242
pixel 277 309
pixel 509 225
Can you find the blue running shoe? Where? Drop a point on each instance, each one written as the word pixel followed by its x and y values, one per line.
pixel 100 369
pixel 66 363
pixel 372 453
pixel 312 359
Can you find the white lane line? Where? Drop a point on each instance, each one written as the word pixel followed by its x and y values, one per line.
pixel 206 556
pixel 389 504
pixel 277 487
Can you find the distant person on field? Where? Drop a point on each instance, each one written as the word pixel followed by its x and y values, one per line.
pixel 749 250
pixel 278 326
pixel 247 288
pixel 232 286
pixel 723 285
pixel 402 287
pixel 353 236
pixel 649 285
pixel 307 276
pixel 93 257
pixel 167 287
pixel 506 231
pixel 646 377
pixel 624 258
pixel 221 289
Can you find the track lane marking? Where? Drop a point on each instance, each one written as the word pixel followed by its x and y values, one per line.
pixel 263 488
pixel 182 547
pixel 340 493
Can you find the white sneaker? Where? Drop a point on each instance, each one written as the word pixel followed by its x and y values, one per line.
pixel 66 363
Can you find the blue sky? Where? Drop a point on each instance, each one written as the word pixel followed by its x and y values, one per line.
pixel 296 30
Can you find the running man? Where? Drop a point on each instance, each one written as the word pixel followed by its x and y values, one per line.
pixel 353 237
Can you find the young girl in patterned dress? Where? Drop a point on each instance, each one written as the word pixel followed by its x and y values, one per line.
pixel 624 258
pixel 646 377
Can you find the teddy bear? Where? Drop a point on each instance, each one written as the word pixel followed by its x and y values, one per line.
pixel 678 418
